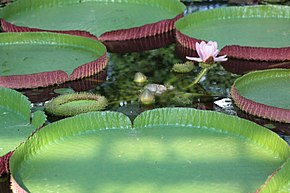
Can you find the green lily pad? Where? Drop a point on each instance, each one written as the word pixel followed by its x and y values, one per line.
pixel 15 121
pixel 109 20
pixel 264 93
pixel 277 178
pixel 167 150
pixel 30 60
pixel 251 32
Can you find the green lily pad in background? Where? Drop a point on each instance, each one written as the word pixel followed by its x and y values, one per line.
pixel 251 32
pixel 15 121
pixel 107 20
pixel 264 93
pixel 30 60
pixel 167 150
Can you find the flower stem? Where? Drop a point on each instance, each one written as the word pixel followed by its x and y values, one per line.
pixel 199 76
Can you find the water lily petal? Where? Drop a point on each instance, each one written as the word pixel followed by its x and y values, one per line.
pixel 213 44
pixel 194 59
pixel 208 51
pixel 202 50
pixel 215 53
pixel 214 48
pixel 202 43
pixel 221 58
pixel 199 50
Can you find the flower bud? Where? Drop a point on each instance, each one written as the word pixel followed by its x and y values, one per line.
pixel 140 77
pixel 146 97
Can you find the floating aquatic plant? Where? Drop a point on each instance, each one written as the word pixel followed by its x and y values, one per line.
pixel 32 60
pixel 174 149
pixel 75 103
pixel 17 123
pixel 261 32
pixel 188 66
pixel 207 59
pixel 92 19
pixel 156 89
pixel 140 78
pixel 147 97
pixel 182 99
pixel 159 89
pixel 264 93
pixel 149 92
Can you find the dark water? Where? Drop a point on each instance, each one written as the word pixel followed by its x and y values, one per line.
pixel 117 85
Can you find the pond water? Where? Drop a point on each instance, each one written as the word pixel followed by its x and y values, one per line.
pixel 117 85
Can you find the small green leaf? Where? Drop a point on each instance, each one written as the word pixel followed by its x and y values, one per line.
pixel 38 119
pixel 15 119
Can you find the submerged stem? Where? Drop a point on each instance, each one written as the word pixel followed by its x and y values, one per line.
pixel 199 76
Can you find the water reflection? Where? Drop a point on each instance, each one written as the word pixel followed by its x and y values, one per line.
pixel 44 94
pixel 239 66
pixel 282 129
pixel 139 45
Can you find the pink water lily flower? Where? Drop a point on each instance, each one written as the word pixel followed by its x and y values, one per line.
pixel 207 53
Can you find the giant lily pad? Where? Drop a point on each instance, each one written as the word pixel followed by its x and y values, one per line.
pixel 167 150
pixel 16 123
pixel 108 20
pixel 264 93
pixel 251 32
pixel 30 60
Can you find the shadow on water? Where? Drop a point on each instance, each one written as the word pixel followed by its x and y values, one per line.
pixel 40 95
pixel 5 184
